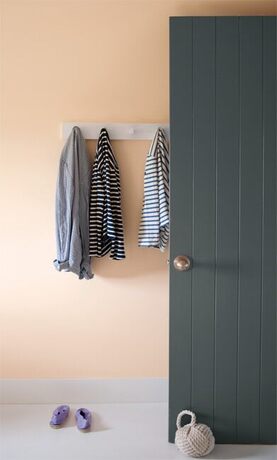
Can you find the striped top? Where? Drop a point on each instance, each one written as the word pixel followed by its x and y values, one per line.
pixel 105 218
pixel 154 225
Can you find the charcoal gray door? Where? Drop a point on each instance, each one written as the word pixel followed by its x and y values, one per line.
pixel 223 217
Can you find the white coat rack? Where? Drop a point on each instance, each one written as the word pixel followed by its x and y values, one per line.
pixel 117 131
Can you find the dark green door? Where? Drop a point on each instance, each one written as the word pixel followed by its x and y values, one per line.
pixel 223 216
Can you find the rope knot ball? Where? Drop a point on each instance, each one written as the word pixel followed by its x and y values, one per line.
pixel 193 439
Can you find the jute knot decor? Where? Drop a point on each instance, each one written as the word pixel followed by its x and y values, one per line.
pixel 193 439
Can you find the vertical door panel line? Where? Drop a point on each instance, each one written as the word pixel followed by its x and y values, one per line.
pixel 262 231
pixel 193 217
pixel 239 221
pixel 216 219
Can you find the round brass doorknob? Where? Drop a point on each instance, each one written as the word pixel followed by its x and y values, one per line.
pixel 182 263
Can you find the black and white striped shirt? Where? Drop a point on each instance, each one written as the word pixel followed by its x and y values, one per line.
pixel 105 218
pixel 154 225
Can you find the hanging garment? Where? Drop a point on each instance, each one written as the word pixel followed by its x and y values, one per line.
pixel 154 225
pixel 105 218
pixel 72 208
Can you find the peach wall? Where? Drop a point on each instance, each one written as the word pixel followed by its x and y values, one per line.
pixel 66 60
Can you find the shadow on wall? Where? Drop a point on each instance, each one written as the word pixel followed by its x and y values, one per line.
pixel 227 8
pixel 138 263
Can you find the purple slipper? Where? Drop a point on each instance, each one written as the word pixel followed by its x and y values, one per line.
pixel 60 414
pixel 83 419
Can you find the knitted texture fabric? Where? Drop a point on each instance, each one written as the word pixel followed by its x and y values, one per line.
pixel 193 439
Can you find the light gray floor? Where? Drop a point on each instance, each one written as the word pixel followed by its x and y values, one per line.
pixel 120 432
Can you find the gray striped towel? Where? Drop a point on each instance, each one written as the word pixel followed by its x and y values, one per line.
pixel 154 225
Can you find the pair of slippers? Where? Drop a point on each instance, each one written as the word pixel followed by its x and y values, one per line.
pixel 82 416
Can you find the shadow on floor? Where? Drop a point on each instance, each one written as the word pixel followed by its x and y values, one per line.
pixel 97 423
pixel 228 451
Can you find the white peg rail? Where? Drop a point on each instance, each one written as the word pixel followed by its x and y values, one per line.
pixel 117 131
